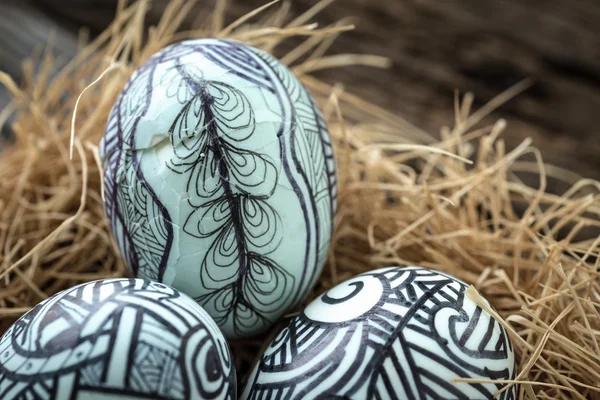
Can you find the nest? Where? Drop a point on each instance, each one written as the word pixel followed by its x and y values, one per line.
pixel 456 204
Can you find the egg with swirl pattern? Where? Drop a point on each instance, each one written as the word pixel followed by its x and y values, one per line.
pixel 116 339
pixel 219 180
pixel 391 333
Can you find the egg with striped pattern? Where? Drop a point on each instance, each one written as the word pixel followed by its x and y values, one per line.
pixel 116 339
pixel 392 333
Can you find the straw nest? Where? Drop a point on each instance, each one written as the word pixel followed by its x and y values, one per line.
pixel 456 204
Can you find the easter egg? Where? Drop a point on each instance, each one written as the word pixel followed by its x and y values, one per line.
pixel 219 179
pixel 116 339
pixel 392 333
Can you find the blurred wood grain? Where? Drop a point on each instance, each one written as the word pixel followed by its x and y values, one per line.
pixel 483 46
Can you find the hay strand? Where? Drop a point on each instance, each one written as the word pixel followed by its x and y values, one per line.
pixel 457 203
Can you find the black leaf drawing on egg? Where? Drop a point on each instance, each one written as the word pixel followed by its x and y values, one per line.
pixel 244 278
pixel 231 187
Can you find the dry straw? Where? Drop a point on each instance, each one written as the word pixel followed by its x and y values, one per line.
pixel 405 197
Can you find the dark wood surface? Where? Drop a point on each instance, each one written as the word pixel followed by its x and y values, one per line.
pixel 437 46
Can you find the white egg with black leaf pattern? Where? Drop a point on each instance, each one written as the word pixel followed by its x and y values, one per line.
pixel 116 339
pixel 392 333
pixel 220 180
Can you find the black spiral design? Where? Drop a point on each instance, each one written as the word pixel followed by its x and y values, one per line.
pixel 392 333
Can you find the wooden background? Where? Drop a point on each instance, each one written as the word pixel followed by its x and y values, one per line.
pixel 483 46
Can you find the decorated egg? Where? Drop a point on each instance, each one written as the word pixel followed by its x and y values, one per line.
pixel 220 180
pixel 392 333
pixel 116 339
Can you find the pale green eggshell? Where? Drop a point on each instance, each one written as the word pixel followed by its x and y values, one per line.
pixel 220 180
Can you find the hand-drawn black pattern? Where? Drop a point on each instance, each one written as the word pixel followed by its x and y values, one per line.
pixel 306 149
pixel 231 186
pixel 140 223
pixel 393 333
pixel 312 154
pixel 116 338
pixel 241 282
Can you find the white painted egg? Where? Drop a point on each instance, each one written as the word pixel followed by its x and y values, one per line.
pixel 220 180
pixel 116 339
pixel 392 333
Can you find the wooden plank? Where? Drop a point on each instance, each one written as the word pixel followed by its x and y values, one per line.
pixel 484 46
pixel 23 30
